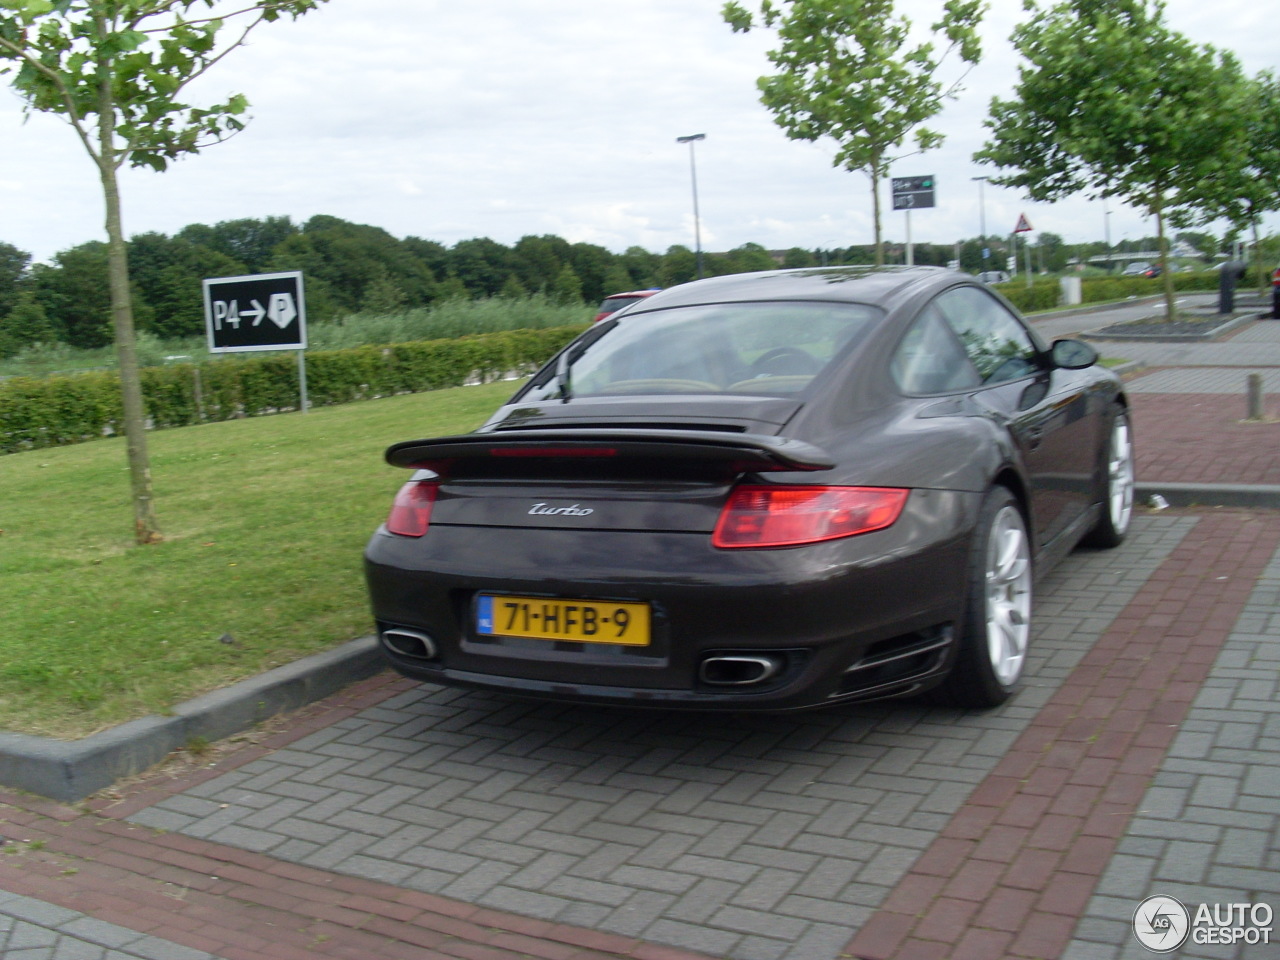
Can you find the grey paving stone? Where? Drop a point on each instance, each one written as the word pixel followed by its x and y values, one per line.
pixel 639 913
pixel 38 912
pixel 98 931
pixel 33 930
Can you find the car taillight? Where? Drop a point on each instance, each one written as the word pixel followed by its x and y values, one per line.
pixel 411 511
pixel 788 516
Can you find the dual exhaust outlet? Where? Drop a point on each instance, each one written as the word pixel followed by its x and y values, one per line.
pixel 724 670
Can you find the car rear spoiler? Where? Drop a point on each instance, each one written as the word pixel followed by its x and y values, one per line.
pixel 738 452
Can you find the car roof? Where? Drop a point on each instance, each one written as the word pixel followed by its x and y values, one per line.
pixel 877 286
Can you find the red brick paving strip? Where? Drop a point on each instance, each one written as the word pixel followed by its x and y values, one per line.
pixel 1186 438
pixel 1011 873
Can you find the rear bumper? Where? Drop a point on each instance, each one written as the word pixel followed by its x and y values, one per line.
pixel 857 618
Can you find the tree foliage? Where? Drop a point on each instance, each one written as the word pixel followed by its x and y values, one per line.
pixel 115 71
pixel 1243 192
pixel 1112 102
pixel 847 70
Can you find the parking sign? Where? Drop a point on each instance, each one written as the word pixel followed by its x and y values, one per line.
pixel 263 312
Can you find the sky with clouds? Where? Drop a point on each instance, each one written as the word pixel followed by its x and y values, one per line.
pixel 501 118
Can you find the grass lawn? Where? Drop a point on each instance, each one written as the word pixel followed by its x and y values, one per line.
pixel 264 520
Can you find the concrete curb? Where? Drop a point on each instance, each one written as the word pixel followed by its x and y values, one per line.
pixel 70 770
pixel 1265 496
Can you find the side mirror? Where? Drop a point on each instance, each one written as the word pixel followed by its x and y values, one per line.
pixel 1073 354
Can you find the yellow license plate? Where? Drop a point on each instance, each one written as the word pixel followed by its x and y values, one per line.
pixel 556 618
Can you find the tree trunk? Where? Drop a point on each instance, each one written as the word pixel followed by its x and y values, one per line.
pixel 1170 307
pixel 875 207
pixel 146 528
pixel 1263 279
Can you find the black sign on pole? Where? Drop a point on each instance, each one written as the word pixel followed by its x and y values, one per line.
pixel 263 312
pixel 912 193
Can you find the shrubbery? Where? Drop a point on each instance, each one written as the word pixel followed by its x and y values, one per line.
pixel 1045 294
pixel 57 410
pixel 1041 295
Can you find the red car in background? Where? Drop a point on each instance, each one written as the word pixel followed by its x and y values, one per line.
pixel 616 301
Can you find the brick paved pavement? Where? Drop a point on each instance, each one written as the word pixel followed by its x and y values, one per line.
pixel 404 821
pixel 1187 438
pixel 752 837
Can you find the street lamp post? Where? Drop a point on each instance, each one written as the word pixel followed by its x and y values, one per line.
pixel 693 174
pixel 982 221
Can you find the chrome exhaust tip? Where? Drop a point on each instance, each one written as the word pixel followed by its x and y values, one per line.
pixel 738 670
pixel 409 643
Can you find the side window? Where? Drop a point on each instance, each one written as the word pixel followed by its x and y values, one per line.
pixel 997 344
pixel 930 359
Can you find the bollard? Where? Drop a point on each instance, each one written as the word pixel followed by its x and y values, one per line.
pixel 1229 275
pixel 1254 390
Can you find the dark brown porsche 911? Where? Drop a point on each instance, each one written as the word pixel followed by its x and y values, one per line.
pixel 773 491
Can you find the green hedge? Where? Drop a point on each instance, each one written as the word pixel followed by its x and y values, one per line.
pixel 1041 295
pixel 1045 294
pixel 52 411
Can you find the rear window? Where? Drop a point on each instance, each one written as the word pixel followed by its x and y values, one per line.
pixel 767 349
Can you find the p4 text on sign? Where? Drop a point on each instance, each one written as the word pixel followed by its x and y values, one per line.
pixel 262 312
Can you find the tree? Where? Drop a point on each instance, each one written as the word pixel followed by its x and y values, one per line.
pixel 617 279
pixel 538 260
pixel 751 256
pixel 1244 191
pixel 1114 103
pixel 1205 244
pixel 248 241
pixel 166 274
pixel 114 69
pixel 567 288
pixel 1051 251
pixel 642 266
pixel 24 325
pixel 678 266
pixel 798 257
pixel 350 260
pixel 482 264
pixel 75 294
pixel 590 263
pixel 13 273
pixel 846 72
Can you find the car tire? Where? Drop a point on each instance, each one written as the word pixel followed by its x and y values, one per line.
pixel 1117 486
pixel 994 634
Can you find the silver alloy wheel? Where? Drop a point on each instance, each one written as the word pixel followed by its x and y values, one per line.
pixel 1120 475
pixel 1008 580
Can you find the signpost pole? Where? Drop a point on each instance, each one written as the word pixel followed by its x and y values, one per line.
pixel 910 193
